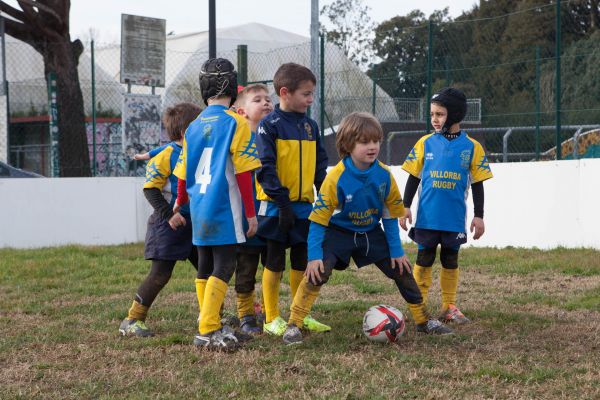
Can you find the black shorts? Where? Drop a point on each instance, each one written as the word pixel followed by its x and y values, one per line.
pixel 429 238
pixel 268 229
pixel 164 243
pixel 218 261
pixel 248 249
pixel 364 248
pixel 275 257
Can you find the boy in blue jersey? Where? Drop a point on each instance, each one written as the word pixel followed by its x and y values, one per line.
pixel 358 194
pixel 253 103
pixel 443 165
pixel 293 163
pixel 214 169
pixel 164 246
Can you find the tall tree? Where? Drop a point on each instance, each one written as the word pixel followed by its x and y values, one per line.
pixel 352 29
pixel 44 25
pixel 402 44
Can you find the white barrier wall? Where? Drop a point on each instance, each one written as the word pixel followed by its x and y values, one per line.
pixel 538 204
pixel 38 212
pixel 543 204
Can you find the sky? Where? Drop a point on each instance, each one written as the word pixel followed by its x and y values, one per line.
pixel 183 16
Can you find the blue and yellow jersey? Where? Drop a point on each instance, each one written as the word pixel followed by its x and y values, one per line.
pixel 447 168
pixel 217 146
pixel 292 159
pixel 357 200
pixel 154 152
pixel 255 240
pixel 159 173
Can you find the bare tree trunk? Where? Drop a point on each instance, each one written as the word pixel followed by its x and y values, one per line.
pixel 73 147
pixel 44 25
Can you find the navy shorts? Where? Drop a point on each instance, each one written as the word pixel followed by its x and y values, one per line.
pixel 164 243
pixel 429 238
pixel 364 248
pixel 268 229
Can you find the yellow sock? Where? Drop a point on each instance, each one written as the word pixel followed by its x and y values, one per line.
pixel 270 287
pixel 200 287
pixel 138 311
pixel 418 312
pixel 423 277
pixel 303 302
pixel 214 295
pixel 295 279
pixel 449 285
pixel 245 304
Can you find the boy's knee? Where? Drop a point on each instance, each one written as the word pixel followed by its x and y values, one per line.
pixel 325 277
pixel 426 257
pixel 449 258
pixel 244 284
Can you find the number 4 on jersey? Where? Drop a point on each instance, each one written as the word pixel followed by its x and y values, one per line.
pixel 203 176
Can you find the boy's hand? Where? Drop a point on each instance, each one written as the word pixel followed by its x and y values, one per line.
pixel 407 216
pixel 313 272
pixel 402 263
pixel 287 218
pixel 478 226
pixel 176 208
pixel 176 221
pixel 252 227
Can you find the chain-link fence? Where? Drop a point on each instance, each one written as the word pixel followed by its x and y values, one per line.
pixel 505 61
pixel 513 63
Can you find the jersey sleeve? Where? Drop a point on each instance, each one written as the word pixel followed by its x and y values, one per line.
pixel 244 154
pixel 480 168
pixel 154 152
pixel 326 202
pixel 158 170
pixel 393 205
pixel 180 167
pixel 415 159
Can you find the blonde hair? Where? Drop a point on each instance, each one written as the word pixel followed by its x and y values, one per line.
pixel 244 93
pixel 355 127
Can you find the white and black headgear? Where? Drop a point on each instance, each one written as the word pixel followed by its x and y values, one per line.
pixel 455 102
pixel 218 78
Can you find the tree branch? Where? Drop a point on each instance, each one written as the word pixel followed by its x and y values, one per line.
pixel 30 4
pixel 13 12
pixel 36 21
pixel 21 31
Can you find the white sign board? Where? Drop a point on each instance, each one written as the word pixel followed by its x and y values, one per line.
pixel 141 123
pixel 143 50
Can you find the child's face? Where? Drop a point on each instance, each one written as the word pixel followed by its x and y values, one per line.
pixel 439 115
pixel 365 152
pixel 256 106
pixel 300 99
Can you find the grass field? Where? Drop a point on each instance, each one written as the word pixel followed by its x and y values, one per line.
pixel 535 333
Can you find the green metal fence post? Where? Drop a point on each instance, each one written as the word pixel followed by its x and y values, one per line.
pixel 374 98
pixel 54 133
pixel 558 83
pixel 447 70
pixel 242 61
pixel 93 109
pixel 322 88
pixel 429 74
pixel 537 102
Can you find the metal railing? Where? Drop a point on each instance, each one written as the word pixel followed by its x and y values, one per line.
pixel 505 154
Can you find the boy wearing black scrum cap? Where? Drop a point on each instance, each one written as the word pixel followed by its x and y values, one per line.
pixel 445 164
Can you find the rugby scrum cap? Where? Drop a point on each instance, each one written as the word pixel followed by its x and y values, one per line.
pixel 218 78
pixel 455 101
